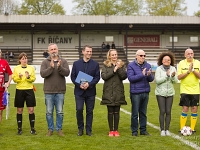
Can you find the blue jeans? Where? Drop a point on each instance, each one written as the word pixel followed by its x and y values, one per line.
pixel 56 100
pixel 139 106
pixel 89 103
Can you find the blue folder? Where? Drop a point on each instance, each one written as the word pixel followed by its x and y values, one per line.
pixel 83 77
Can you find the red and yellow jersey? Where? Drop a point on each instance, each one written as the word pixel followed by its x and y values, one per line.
pixel 4 68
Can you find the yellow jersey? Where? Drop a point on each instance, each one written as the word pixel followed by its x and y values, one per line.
pixel 190 84
pixel 24 83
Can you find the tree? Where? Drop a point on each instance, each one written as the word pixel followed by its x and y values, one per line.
pixel 198 12
pixel 166 7
pixel 41 7
pixel 8 7
pixel 107 7
pixel 130 7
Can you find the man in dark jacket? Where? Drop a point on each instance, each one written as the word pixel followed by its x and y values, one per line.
pixel 139 74
pixel 85 92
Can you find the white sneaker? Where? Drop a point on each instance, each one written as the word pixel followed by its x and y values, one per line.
pixel 167 133
pixel 162 133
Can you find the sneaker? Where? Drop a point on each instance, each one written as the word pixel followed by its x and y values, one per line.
pixel 162 133
pixel 33 131
pixel 116 133
pixel 194 132
pixel 111 133
pixel 60 133
pixel 19 131
pixel 49 133
pixel 167 133
pixel 145 133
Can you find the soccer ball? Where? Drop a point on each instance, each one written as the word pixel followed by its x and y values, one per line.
pixel 186 131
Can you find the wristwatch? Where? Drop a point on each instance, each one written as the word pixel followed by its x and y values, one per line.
pixel 193 70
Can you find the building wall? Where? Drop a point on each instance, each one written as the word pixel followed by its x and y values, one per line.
pixel 93 38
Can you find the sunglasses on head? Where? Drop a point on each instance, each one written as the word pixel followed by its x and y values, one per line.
pixel 142 55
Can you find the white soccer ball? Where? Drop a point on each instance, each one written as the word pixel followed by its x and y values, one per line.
pixel 186 131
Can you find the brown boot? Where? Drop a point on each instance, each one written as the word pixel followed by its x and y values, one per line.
pixel 49 133
pixel 60 133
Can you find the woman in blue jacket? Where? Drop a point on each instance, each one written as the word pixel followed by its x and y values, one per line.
pixel 165 76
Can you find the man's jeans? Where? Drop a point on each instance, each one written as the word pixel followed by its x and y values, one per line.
pixel 56 100
pixel 89 103
pixel 139 105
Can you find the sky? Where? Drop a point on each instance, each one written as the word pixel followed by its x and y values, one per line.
pixel 191 4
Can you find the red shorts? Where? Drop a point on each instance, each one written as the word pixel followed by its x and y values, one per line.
pixel 1 98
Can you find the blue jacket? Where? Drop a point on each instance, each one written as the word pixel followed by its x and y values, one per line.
pixel 139 83
pixel 92 69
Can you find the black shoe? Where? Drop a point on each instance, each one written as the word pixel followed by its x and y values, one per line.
pixel 89 133
pixel 19 131
pixel 33 131
pixel 145 133
pixel 80 133
pixel 179 132
pixel 134 134
pixel 194 132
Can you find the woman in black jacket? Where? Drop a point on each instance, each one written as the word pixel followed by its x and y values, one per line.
pixel 113 73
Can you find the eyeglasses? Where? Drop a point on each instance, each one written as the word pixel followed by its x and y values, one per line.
pixel 142 55
pixel 166 60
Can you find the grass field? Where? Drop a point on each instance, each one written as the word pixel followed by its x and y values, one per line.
pixel 100 139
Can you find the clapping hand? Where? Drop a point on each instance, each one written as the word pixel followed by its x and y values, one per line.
pixel 59 63
pixel 149 72
pixel 52 63
pixel 20 75
pixel 168 73
pixel 173 74
pixel 144 71
pixel 190 67
pixel 27 74
pixel 117 66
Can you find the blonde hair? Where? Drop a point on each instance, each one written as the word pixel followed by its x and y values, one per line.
pixel 108 61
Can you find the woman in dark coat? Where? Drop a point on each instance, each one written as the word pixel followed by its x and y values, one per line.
pixel 113 73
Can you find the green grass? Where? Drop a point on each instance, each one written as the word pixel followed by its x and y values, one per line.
pixel 100 139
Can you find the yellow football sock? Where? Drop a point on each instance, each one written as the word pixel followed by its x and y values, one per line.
pixel 193 121
pixel 183 120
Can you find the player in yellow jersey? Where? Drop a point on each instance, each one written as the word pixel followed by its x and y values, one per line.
pixel 189 75
pixel 24 76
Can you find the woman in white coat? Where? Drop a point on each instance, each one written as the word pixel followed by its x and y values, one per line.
pixel 165 77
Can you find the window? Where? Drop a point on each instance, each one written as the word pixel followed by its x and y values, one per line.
pixel 1 39
pixel 194 39
pixel 175 39
pixel 109 39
